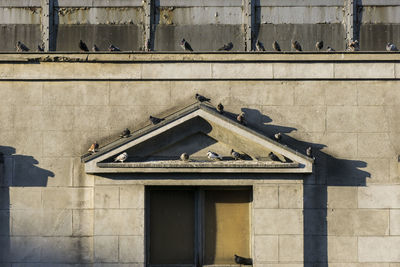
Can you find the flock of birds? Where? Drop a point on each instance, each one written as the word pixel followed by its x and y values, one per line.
pixel 353 46
pixel 210 154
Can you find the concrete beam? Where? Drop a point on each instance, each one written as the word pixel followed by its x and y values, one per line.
pixel 248 23
pixel 350 20
pixel 45 20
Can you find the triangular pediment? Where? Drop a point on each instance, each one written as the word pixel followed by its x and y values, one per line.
pixel 195 130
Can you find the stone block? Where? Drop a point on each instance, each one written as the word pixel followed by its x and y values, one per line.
pixel 106 197
pixel 67 198
pixel 344 197
pixel 58 143
pixel 290 196
pixel 5 222
pixel 266 248
pixel 61 168
pixel 378 170
pixel 56 118
pixel 177 71
pixel 92 118
pixel 379 196
pixel 25 198
pixel 28 117
pixel 394 222
pixel 278 221
pixel 368 95
pixel 7 114
pixel 241 71
pixel 391 115
pixel 314 196
pixel 291 248
pixel 131 249
pixel 122 93
pixel 82 222
pixel 379 249
pixel 67 249
pixel 364 70
pixel 374 145
pixel 75 93
pixel 132 197
pixel 302 70
pixel 372 119
pixel 25 248
pixel 342 119
pixel 24 93
pixel 309 93
pixel 30 144
pixel 261 93
pixel 265 196
pixel 342 249
pixel 106 248
pixel 4 197
pixel 315 222
pixel 119 222
pixel 41 222
pixel 340 93
pixel 80 178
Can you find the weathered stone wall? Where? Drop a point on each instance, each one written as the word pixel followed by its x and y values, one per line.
pixel 346 213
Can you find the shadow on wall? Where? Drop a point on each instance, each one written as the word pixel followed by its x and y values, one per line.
pixel 328 171
pixel 15 170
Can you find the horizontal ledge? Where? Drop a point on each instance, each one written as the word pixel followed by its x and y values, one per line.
pixel 198 170
pixel 197 165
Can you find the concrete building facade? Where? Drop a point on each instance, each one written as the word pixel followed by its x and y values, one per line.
pixel 344 212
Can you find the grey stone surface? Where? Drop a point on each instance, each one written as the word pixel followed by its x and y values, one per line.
pixel 106 248
pixel 118 222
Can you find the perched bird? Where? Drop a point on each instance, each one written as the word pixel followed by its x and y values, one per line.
pixel 213 156
pixel 122 157
pixel 240 118
pixel 319 45
pixel 309 152
pixel 242 260
pixel 220 108
pixel 21 47
pixel 260 46
pixel 274 157
pixel 40 48
pixel 201 98
pixel 278 137
pixel 391 47
pixel 354 46
pixel 155 120
pixel 236 155
pixel 93 148
pixel 330 49
pixel 276 46
pixel 125 133
pixel 296 45
pixel 185 45
pixel 226 47
pixel 184 157
pixel 83 47
pixel 95 48
pixel 113 48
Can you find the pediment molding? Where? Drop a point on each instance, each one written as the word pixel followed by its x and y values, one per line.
pixel 224 132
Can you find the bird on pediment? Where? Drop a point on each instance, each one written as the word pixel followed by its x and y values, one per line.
pixel 113 48
pixel 184 157
pixel 240 118
pixel 330 49
pixel 296 45
pixel 40 48
pixel 213 156
pixel 95 48
pixel 122 157
pixel 260 46
pixel 278 137
pixel 220 108
pixel 185 45
pixel 201 98
pixel 226 47
pixel 236 155
pixel 273 157
pixel 83 47
pixel 319 45
pixel 94 147
pixel 242 260
pixel 276 46
pixel 125 133
pixel 155 120
pixel 391 47
pixel 21 47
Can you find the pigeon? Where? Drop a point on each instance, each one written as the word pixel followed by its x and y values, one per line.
pixel 236 155
pixel 226 47
pixel 122 157
pixel 94 147
pixel 296 45
pixel 276 46
pixel 242 260
pixel 240 118
pixel 220 108
pixel 330 49
pixel 113 48
pixel 155 120
pixel 354 46
pixel 259 46
pixel 201 98
pixel 95 48
pixel 125 133
pixel 213 156
pixel 309 152
pixel 278 137
pixel 83 47
pixel 319 45
pixel 186 46
pixel 274 157
pixel 40 48
pixel 391 47
pixel 21 47
pixel 184 157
